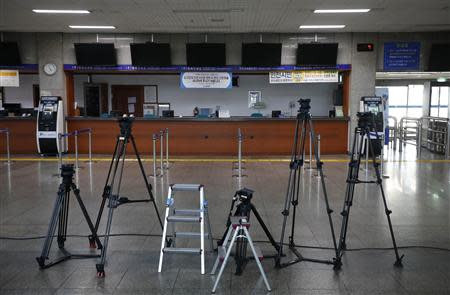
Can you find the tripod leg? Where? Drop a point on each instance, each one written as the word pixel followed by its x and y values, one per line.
pixel 352 178
pixel 261 270
pixel 264 227
pixel 225 260
pixel 398 261
pixel 101 266
pixel 287 201
pixel 107 188
pixel 147 184
pixel 94 235
pixel 221 241
pixel 52 227
pixel 63 216
pixel 337 263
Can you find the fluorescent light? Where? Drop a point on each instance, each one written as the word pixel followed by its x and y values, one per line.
pixel 441 79
pixel 61 11
pixel 92 27
pixel 341 10
pixel 323 27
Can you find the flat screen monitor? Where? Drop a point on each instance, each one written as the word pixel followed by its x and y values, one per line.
pixel 95 54
pixel 439 57
pixel 168 113
pixel 9 54
pixel 150 54
pixel 12 107
pixel 261 54
pixel 206 54
pixel 317 54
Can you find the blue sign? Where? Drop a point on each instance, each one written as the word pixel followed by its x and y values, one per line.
pixel 401 56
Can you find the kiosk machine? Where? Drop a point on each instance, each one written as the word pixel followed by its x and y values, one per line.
pixel 376 105
pixel 50 122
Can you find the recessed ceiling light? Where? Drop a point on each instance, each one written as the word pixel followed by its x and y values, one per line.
pixel 93 27
pixel 323 27
pixel 342 10
pixel 441 79
pixel 61 11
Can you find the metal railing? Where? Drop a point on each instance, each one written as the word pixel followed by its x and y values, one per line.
pixel 75 133
pixel 410 132
pixel 436 130
pixel 393 132
pixel 6 132
pixel 239 167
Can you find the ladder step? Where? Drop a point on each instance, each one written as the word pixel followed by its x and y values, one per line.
pixel 186 187
pixel 183 219
pixel 189 234
pixel 183 250
pixel 192 212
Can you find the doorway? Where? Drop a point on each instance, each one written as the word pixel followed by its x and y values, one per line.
pixel 36 95
pixel 128 99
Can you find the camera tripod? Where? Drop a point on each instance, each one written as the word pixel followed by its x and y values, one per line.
pixel 365 129
pixel 244 208
pixel 111 191
pixel 60 217
pixel 303 126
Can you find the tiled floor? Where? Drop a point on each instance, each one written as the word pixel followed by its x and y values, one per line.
pixel 418 194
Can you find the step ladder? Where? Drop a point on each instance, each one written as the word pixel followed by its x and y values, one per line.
pixel 237 229
pixel 174 215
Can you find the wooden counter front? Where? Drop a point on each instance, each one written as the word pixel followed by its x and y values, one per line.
pixel 204 137
pixel 22 137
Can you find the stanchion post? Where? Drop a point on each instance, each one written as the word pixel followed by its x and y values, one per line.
pixel 60 150
pixel 167 148
pixel 447 146
pixel 318 146
pixel 90 146
pixel 161 152
pixel 154 138
pixel 76 148
pixel 7 147
pixel 310 150
pixel 239 153
pixel 419 140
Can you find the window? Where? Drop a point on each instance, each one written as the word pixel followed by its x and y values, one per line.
pixel 439 101
pixel 405 101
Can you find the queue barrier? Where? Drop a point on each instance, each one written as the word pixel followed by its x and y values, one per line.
pixel 75 133
pixel 436 139
pixel 239 168
pixel 163 137
pixel 6 131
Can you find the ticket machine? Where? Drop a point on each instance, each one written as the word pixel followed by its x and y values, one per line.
pixel 50 122
pixel 376 105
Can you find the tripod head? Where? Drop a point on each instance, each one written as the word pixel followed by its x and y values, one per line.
pixel 125 124
pixel 305 107
pixel 366 120
pixel 244 195
pixel 67 172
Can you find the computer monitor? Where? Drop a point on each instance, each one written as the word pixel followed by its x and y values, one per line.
pixel 168 113
pixel 12 107
pixel 276 114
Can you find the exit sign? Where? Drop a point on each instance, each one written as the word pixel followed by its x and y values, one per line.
pixel 365 47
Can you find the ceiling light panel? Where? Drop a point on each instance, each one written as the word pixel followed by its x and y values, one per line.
pixel 364 10
pixel 66 11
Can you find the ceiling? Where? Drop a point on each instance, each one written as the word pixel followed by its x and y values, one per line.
pixel 227 16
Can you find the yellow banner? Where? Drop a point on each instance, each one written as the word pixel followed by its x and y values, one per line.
pixel 286 77
pixel 9 78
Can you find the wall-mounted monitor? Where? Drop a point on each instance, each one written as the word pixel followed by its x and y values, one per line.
pixel 261 54
pixel 439 57
pixel 206 54
pixel 317 54
pixel 9 54
pixel 95 54
pixel 150 54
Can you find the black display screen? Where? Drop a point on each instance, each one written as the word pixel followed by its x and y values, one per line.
pixel 9 54
pixel 206 54
pixel 439 57
pixel 317 54
pixel 261 54
pixel 95 54
pixel 150 54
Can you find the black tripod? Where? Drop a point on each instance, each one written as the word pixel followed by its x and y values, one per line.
pixel 367 127
pixel 304 122
pixel 60 217
pixel 113 182
pixel 244 208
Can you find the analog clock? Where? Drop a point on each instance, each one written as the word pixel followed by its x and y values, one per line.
pixel 50 69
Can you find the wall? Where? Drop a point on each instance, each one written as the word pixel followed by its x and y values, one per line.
pixel 24 93
pixel 183 101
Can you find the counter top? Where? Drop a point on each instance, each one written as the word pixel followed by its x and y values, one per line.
pixel 16 118
pixel 193 119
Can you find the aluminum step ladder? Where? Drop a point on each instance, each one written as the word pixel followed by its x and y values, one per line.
pixel 174 215
pixel 237 229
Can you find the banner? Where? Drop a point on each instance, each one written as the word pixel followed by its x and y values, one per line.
pixel 9 78
pixel 285 77
pixel 206 80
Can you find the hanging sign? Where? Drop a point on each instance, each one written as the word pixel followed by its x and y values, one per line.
pixel 206 80
pixel 9 78
pixel 286 77
pixel 401 56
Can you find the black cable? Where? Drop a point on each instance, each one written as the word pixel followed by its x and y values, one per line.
pixel 255 241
